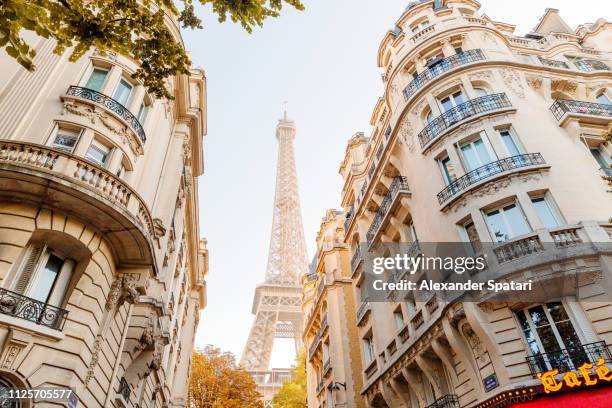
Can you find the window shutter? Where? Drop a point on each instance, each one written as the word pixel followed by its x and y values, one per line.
pixel 28 269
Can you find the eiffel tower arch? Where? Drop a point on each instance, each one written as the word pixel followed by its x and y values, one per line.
pixel 277 301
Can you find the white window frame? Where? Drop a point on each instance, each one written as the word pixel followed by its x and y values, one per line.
pixel 507 224
pixel 552 206
pixel 451 98
pixel 98 145
pixel 445 176
pixel 515 139
pixel 488 147
pixel 89 73
pixel 59 288
pixel 54 133
pixel 131 84
pixel 398 318
pixel 368 348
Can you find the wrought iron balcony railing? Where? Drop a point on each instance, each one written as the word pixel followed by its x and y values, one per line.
pixel 110 104
pixel 315 343
pixel 327 365
pixel 591 65
pixel 460 112
pixel 363 309
pixel 349 217
pixel 356 259
pixel 444 65
pixel 447 401
pixel 487 171
pixel 569 359
pixel 23 307
pixel 398 184
pixel 554 63
pixel 562 106
pixel 124 389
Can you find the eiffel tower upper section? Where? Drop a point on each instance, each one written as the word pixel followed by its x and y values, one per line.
pixel 287 256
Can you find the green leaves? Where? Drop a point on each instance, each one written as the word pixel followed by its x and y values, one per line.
pixel 138 30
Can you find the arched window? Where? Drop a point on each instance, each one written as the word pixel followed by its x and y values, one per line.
pixel 5 387
pixel 480 91
pixel 603 99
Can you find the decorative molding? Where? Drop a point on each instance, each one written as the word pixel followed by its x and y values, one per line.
pixel 95 357
pixel 15 343
pixel 123 289
pixel 513 81
pixel 159 230
pixel 534 82
pixel 482 75
pixel 563 85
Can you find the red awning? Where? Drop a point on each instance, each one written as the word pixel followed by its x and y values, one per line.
pixel 600 398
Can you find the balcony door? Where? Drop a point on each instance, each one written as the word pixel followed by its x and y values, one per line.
pixel 475 154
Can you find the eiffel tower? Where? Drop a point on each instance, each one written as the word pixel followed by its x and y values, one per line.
pixel 277 301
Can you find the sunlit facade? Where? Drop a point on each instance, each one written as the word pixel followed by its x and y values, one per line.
pixel 483 136
pixel 102 271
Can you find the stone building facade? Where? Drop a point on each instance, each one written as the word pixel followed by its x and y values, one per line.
pixel 102 271
pixel 494 140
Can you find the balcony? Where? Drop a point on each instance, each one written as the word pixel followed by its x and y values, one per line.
pixel 22 307
pixel 599 113
pixel 570 359
pixel 441 67
pixel 398 185
pixel 112 105
pixel 317 339
pixel 327 366
pixel 553 63
pixel 363 310
pixel 356 259
pixel 447 401
pixel 591 65
pixel 529 244
pixel 459 113
pixel 349 217
pixel 487 172
pixel 36 173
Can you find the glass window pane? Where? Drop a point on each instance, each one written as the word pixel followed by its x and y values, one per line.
pixel 515 218
pixel 511 146
pixel 548 339
pixel 123 91
pixel 471 160
pixel 482 152
pixel 497 226
pixel 538 317
pixel 545 213
pixel 568 334
pixel 44 279
pixel 480 92
pixel 96 79
pixel 599 158
pixel 142 113
pixel 446 104
pixel 458 96
pixel 603 98
pixel 65 140
pixel 97 154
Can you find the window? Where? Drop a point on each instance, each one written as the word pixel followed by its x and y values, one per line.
pixel 97 153
pixel 475 154
pixel 546 212
pixel 600 158
pixel 142 113
pixel 123 91
pixel 325 352
pixel 429 117
pixel 398 318
pixel 45 275
pixel 603 99
pixel 121 171
pixel 329 399
pixel 480 91
pixel 363 292
pixel 507 222
pixel 448 170
pixel 512 147
pixel 96 79
pixel 64 139
pixel 368 348
pixel 452 100
pixel 470 235
pixel 548 329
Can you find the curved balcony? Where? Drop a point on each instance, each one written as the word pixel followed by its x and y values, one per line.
pixel 563 109
pixel 112 105
pixel 398 185
pixel 470 109
pixel 444 65
pixel 591 65
pixel 41 175
pixel 489 171
pixel 356 259
pixel 364 309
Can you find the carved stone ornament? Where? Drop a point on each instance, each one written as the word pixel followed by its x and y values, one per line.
pixel 147 340
pixel 534 82
pixel 478 348
pixel 95 357
pixel 123 289
pixel 159 230
pixel 513 81
pixel 563 85
pixel 108 54
pixel 481 75
pixel 419 107
pixel 124 132
pixel 186 150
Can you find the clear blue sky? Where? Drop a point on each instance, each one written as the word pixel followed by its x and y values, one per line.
pixel 323 61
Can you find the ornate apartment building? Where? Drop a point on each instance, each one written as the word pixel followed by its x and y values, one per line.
pixel 102 271
pixel 490 139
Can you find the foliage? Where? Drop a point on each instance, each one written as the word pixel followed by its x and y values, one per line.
pixel 217 382
pixel 293 393
pixel 134 28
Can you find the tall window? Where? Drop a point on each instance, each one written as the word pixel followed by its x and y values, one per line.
pixel 475 154
pixel 98 153
pixel 142 113
pixel 448 170
pixel 45 275
pixel 470 235
pixel 548 329
pixel 546 212
pixel 480 91
pixel 600 158
pixel 64 139
pixel 123 91
pixel 96 79
pixel 452 100
pixel 512 147
pixel 368 348
pixel 398 318
pixel 507 222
